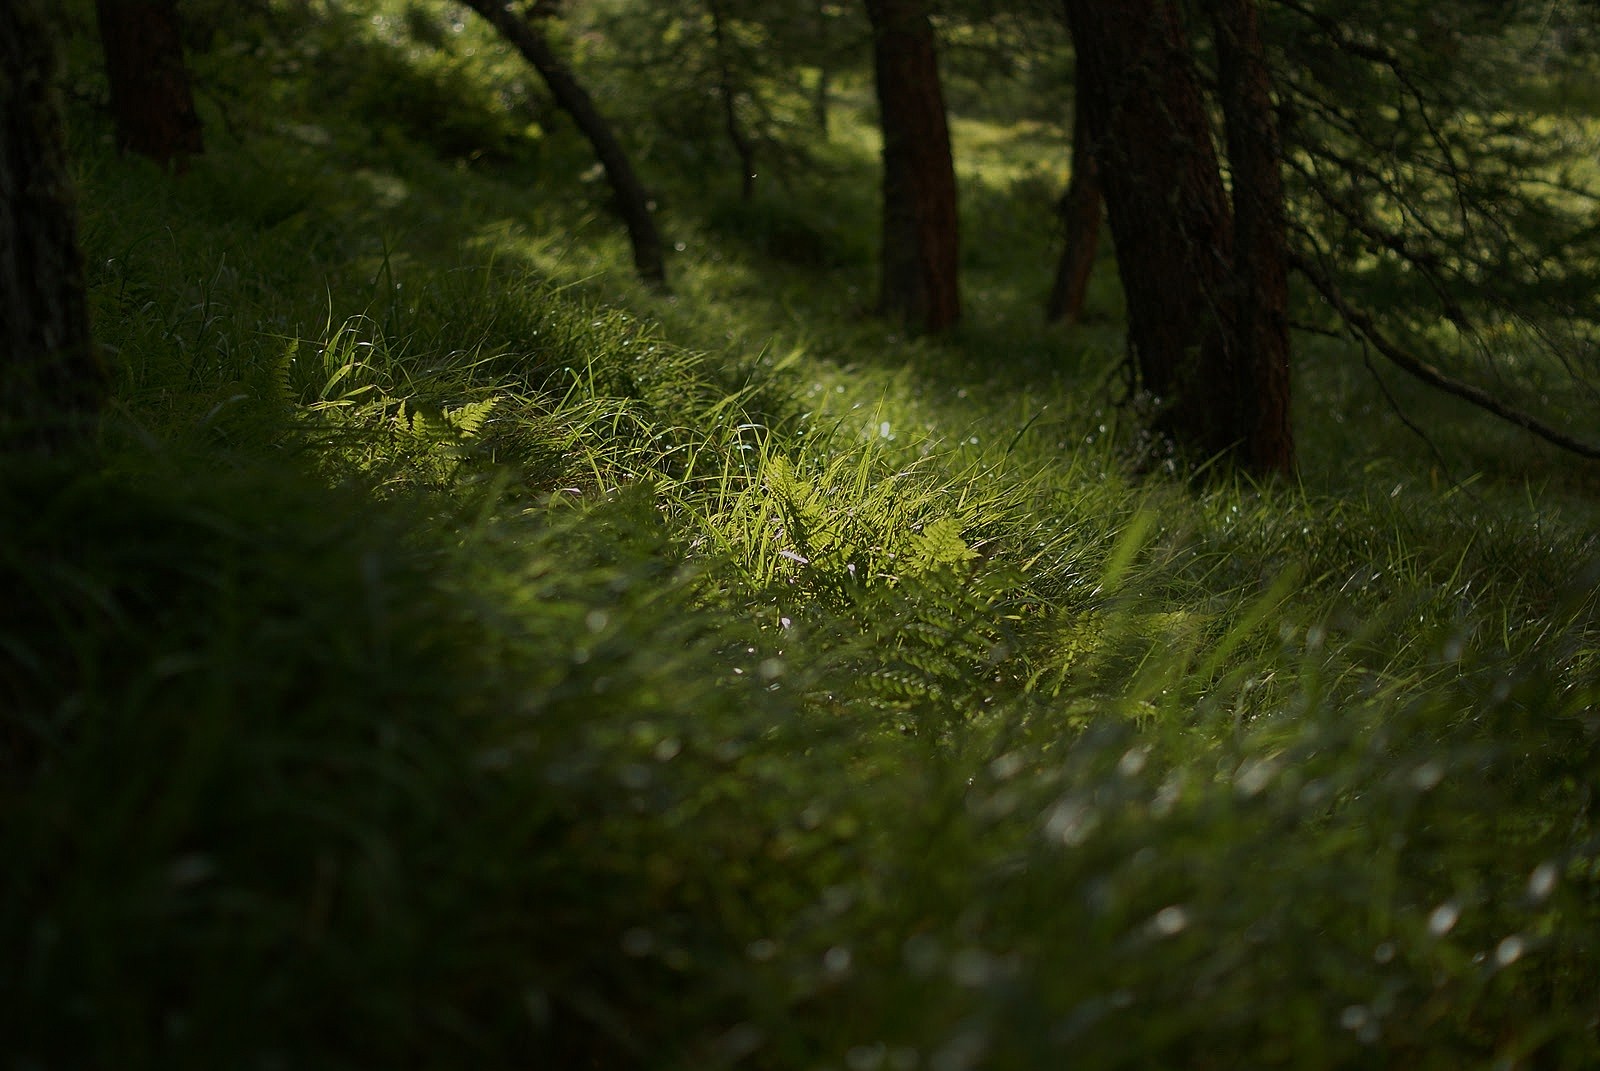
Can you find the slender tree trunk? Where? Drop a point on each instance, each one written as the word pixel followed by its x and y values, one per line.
pixel 632 201
pixel 151 99
pixel 920 226
pixel 1260 238
pixel 821 96
pixel 51 382
pixel 728 91
pixel 1209 350
pixel 1081 209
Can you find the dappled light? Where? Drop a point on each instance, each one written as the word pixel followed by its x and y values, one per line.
pixel 443 647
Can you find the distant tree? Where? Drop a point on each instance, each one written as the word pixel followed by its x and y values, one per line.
pixel 51 383
pixel 920 222
pixel 1081 209
pixel 633 203
pixel 822 91
pixel 1203 277
pixel 151 98
pixel 739 87
pixel 729 92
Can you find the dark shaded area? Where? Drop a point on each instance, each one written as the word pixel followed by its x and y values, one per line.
pixel 51 382
pixel 150 93
pixel 1206 318
pixel 1081 209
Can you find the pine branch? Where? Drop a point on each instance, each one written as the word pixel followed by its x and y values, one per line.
pixel 1419 369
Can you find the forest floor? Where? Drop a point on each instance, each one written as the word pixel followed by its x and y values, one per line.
pixel 462 654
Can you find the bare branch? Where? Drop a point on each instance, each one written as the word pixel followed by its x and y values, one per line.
pixel 1419 369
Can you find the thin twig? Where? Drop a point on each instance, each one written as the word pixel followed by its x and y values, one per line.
pixel 1414 366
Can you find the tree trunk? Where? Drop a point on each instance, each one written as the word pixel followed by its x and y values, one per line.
pixel 51 383
pixel 1208 349
pixel 920 227
pixel 1163 188
pixel 1081 208
pixel 632 201
pixel 151 100
pixel 823 92
pixel 819 102
pixel 728 91
pixel 1260 238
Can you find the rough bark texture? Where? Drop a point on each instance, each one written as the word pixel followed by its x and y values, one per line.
pixel 151 99
pixel 632 201
pixel 920 228
pixel 1082 207
pixel 1164 196
pixel 51 383
pixel 1206 346
pixel 1260 238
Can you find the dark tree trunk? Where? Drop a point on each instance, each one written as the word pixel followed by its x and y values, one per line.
pixel 1081 208
pixel 51 383
pixel 920 227
pixel 1260 238
pixel 1163 188
pixel 1195 322
pixel 632 201
pixel 150 95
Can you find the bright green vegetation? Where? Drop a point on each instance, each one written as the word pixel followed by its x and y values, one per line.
pixel 461 658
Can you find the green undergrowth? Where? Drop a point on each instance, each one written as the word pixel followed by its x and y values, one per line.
pixel 453 655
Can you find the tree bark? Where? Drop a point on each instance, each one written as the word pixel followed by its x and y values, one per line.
pixel 1163 187
pixel 920 267
pixel 151 99
pixel 1209 350
pixel 632 201
pixel 1081 208
pixel 1260 237
pixel 51 382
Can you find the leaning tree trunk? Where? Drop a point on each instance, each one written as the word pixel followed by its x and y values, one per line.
pixel 151 100
pixel 632 201
pixel 1081 208
pixel 920 227
pixel 51 383
pixel 1193 326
